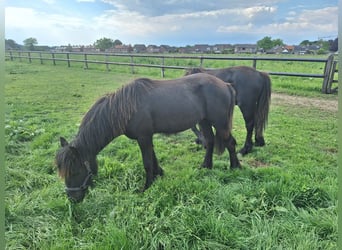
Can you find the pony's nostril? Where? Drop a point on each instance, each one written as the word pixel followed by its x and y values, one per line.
pixel 75 200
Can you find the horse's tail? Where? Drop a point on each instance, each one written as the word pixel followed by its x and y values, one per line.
pixel 263 105
pixel 219 137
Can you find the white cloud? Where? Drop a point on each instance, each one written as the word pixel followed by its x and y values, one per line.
pixel 47 28
pixel 196 26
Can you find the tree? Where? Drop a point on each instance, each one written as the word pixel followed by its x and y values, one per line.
pixel 277 42
pixel 265 43
pixel 11 44
pixel 30 42
pixel 117 42
pixel 69 48
pixel 305 43
pixel 334 45
pixel 104 43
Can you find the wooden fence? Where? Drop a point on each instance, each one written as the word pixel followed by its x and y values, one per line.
pixel 327 75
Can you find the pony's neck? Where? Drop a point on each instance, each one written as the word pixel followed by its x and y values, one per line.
pixel 91 143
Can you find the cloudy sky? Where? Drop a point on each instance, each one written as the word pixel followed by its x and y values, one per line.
pixel 172 22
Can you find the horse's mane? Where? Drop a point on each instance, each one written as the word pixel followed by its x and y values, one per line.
pixel 194 70
pixel 110 114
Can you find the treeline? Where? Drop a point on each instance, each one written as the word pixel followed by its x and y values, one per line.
pixel 103 44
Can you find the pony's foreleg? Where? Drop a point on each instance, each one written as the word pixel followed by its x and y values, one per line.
pixel 200 139
pixel 209 139
pixel 149 159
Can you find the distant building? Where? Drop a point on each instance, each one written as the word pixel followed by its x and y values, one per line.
pixel 139 48
pixel 245 48
pixel 152 49
pixel 202 48
pixel 120 49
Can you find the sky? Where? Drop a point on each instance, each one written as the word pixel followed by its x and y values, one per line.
pixel 170 22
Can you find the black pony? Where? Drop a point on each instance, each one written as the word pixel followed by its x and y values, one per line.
pixel 253 95
pixel 140 109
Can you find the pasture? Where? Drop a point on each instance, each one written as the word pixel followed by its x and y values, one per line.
pixel 285 196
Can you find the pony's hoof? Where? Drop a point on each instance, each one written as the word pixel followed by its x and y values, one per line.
pixel 245 151
pixel 259 142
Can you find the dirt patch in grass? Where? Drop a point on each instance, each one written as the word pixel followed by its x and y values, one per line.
pixel 257 164
pixel 328 105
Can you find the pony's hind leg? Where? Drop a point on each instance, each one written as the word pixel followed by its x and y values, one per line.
pixel 249 123
pixel 209 143
pixel 259 137
pixel 226 140
pixel 231 147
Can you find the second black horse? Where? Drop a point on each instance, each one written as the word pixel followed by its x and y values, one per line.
pixel 253 95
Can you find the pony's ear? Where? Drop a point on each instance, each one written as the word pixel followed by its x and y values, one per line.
pixel 63 142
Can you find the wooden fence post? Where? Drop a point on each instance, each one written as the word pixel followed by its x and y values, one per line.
pixel 29 57
pixel 53 59
pixel 254 63
pixel 85 61
pixel 19 54
pixel 68 59
pixel 40 56
pixel 327 72
pixel 331 77
pixel 132 65
pixel 201 61
pixel 162 68
pixel 11 56
pixel 106 60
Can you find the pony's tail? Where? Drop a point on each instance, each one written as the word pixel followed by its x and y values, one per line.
pixel 263 105
pixel 219 137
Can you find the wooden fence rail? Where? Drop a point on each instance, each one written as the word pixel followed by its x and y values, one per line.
pixel 327 75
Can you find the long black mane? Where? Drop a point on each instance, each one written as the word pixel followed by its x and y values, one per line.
pixel 108 116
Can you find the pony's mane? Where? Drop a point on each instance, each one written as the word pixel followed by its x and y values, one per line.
pixel 107 117
pixel 65 161
pixel 194 70
pixel 110 114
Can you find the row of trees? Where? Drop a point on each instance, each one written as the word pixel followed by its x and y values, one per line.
pixel 265 43
pixel 268 43
pixel 31 42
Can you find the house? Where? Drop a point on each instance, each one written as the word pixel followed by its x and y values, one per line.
pixel 223 48
pixel 202 48
pixel 120 49
pixel 245 48
pixel 152 49
pixel 139 48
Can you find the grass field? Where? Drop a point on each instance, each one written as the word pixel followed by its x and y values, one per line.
pixel 285 197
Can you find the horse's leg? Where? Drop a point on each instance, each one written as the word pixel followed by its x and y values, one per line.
pixel 157 170
pixel 146 147
pixel 209 139
pixel 248 116
pixel 231 147
pixel 259 140
pixel 229 143
pixel 200 139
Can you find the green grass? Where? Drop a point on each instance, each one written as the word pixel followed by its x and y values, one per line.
pixel 285 197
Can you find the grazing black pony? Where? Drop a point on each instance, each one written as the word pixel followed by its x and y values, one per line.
pixel 253 95
pixel 140 109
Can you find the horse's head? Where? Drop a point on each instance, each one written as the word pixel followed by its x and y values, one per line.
pixel 193 71
pixel 77 170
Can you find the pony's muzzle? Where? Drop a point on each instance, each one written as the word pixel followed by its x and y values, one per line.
pixel 76 196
